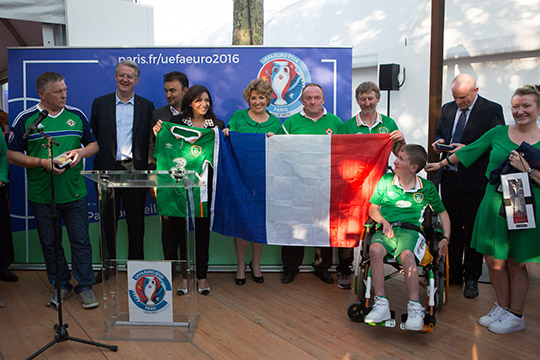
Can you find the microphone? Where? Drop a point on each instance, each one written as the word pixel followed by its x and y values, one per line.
pixel 33 126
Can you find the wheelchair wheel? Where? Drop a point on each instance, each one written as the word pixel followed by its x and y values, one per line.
pixel 361 286
pixel 440 279
pixel 363 265
pixel 356 312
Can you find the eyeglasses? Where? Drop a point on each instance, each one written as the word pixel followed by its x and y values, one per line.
pixel 126 76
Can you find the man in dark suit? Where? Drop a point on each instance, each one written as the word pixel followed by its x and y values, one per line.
pixel 176 84
pixel 463 121
pixel 122 125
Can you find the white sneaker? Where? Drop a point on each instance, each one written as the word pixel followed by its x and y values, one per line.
pixel 507 323
pixel 380 311
pixel 415 316
pixel 493 315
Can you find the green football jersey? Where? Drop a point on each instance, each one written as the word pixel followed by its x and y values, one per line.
pixel 383 125
pixel 299 124
pixel 186 147
pixel 408 206
pixel 70 128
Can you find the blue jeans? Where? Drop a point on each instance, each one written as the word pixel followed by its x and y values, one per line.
pixel 75 217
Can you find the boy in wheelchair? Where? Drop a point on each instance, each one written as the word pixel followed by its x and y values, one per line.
pixel 397 205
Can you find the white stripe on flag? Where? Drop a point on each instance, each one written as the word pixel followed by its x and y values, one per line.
pixel 298 189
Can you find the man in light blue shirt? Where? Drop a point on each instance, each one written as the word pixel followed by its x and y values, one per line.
pixel 121 122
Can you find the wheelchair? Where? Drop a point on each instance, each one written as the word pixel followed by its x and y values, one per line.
pixel 433 278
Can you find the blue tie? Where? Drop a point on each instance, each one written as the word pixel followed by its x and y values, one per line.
pixel 458 133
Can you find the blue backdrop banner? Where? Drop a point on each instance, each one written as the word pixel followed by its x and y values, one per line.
pixel 89 73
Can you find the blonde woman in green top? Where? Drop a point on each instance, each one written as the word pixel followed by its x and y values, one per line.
pixel 506 251
pixel 255 120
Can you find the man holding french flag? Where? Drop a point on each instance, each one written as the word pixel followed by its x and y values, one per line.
pixel 300 190
pixel 315 120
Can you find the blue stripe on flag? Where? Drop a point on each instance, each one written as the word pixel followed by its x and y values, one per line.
pixel 239 194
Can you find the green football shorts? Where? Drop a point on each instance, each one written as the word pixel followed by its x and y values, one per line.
pixel 404 239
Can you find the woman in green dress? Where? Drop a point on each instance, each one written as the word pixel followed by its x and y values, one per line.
pixel 506 251
pixel 255 120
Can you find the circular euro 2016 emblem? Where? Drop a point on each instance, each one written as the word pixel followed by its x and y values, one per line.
pixel 288 75
pixel 150 289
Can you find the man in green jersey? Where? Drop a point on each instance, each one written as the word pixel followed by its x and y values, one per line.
pixel 315 120
pixel 69 127
pixel 368 120
pixel 402 197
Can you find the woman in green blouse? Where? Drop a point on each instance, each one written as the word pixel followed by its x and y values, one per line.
pixel 255 120
pixel 506 251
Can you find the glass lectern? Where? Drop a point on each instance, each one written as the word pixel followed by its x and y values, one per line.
pixel 141 303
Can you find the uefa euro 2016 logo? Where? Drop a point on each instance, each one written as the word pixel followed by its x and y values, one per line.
pixel 287 74
pixel 150 289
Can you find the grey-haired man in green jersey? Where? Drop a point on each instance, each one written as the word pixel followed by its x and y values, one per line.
pixel 70 128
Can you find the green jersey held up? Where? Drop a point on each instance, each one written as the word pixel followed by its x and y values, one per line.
pixel 185 147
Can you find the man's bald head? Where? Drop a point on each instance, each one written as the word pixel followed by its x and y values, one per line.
pixel 464 90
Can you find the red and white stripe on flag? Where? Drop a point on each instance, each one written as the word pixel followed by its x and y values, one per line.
pixel 318 187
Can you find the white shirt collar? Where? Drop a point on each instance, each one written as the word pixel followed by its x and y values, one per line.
pixel 174 111
pixel 360 122
pixel 303 113
pixel 417 186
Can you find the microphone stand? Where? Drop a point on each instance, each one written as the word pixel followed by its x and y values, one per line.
pixel 61 333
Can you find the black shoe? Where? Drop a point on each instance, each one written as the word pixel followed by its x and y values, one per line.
pixel 257 279
pixel 287 277
pixel 108 274
pixel 471 289
pixel 241 281
pixel 203 291
pixel 8 276
pixel 99 277
pixel 324 275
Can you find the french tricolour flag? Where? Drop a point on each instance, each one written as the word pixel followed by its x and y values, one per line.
pixel 308 190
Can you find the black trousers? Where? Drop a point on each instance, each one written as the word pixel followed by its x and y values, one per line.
pixel 173 237
pixel 6 239
pixel 462 206
pixel 292 257
pixel 133 200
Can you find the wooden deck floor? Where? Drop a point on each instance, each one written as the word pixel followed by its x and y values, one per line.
pixel 303 320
